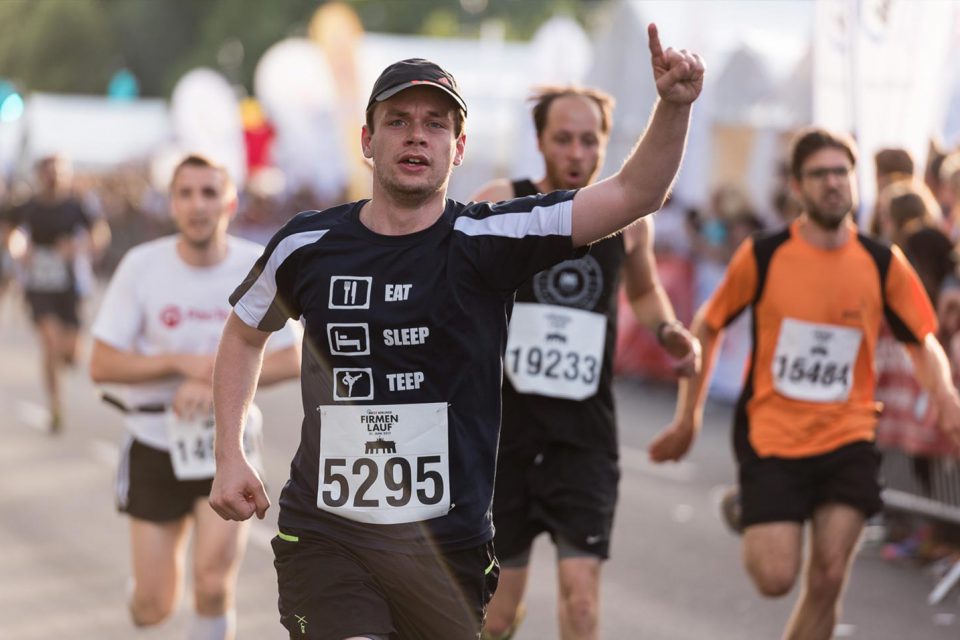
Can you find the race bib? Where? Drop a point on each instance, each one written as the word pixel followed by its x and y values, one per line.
pixel 815 362
pixel 555 351
pixel 191 444
pixel 47 271
pixel 384 464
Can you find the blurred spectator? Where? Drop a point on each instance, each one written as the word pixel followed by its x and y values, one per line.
pixel 124 195
pixel 931 175
pixel 950 192
pixel 911 218
pixel 786 205
pixel 892 165
pixel 714 237
pixel 262 211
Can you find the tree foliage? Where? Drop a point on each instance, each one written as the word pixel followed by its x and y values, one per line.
pixel 77 45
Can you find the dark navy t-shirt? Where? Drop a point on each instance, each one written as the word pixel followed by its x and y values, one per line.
pixel 401 363
pixel 49 222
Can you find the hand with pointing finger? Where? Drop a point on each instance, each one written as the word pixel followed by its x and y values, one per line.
pixel 678 74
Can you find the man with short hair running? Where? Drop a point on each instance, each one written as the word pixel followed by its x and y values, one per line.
pixel 60 231
pixel 558 406
pixel 156 334
pixel 804 426
pixel 385 527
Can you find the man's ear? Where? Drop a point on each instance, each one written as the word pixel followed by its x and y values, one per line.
pixel 365 137
pixel 461 147
pixel 795 188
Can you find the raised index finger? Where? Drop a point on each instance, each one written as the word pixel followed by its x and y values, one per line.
pixel 656 51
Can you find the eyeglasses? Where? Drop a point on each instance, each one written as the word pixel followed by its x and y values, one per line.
pixel 821 173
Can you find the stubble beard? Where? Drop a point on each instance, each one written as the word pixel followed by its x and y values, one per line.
pixel 828 220
pixel 558 180
pixel 410 195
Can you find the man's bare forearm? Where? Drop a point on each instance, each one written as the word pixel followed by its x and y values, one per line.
pixel 237 369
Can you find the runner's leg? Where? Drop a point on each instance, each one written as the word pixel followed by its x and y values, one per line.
pixel 217 552
pixel 771 555
pixel 49 330
pixel 835 532
pixel 159 551
pixel 579 591
pixel 505 611
pixel 69 344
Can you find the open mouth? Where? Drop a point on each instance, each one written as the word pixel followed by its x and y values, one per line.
pixel 414 161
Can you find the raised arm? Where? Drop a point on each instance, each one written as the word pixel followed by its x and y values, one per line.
pixel 237 492
pixel 644 180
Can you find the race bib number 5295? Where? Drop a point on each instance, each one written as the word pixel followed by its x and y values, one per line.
pixel 384 464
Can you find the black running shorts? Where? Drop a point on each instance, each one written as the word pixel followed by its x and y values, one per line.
pixel 63 305
pixel 330 590
pixel 565 490
pixel 147 488
pixel 789 490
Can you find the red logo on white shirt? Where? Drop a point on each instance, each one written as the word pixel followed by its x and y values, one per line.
pixel 171 316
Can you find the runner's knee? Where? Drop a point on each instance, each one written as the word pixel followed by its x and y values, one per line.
pixel 773 581
pixel 580 609
pixel 211 592
pixel 772 575
pixel 826 579
pixel 150 609
pixel 503 616
pixel 500 623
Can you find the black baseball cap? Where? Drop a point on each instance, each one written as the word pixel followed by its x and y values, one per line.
pixel 411 73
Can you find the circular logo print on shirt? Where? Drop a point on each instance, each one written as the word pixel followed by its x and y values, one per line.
pixel 573 283
pixel 170 316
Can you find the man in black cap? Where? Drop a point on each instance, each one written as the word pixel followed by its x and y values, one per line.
pixel 385 527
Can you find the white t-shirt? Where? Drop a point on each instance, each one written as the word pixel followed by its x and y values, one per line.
pixel 156 304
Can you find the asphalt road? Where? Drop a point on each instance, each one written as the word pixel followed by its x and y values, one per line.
pixel 675 572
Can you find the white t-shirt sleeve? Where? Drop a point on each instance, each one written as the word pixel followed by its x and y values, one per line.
pixel 120 318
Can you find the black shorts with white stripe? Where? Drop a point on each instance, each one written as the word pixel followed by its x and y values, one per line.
pixel 147 488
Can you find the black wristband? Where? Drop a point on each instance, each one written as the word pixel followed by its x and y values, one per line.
pixel 663 325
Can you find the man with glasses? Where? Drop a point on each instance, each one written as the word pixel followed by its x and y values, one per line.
pixel 804 425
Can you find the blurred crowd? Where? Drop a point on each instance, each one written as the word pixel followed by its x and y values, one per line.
pixel 136 209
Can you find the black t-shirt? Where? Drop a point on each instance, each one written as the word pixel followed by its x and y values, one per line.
pixel 401 362
pixel 48 222
pixel 588 286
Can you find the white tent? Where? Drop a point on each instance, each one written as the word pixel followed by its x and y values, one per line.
pixel 95 132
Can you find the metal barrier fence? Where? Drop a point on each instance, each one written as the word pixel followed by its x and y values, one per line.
pixel 930 488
